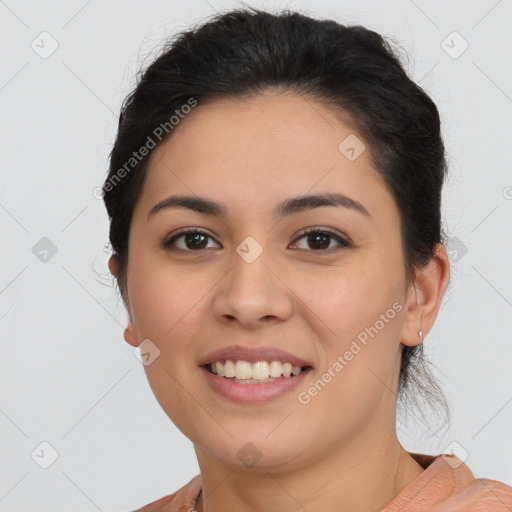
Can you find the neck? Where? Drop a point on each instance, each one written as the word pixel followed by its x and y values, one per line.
pixel 362 476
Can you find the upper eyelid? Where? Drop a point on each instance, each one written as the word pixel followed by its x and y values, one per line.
pixel 186 231
pixel 345 241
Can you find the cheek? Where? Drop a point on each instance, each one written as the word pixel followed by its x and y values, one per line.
pixel 165 299
pixel 167 308
pixel 348 300
pixel 359 314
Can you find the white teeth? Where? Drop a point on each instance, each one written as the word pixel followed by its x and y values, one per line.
pixel 242 370
pixel 229 369
pixel 275 369
pixel 261 370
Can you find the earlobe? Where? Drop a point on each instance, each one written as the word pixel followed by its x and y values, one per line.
pixel 130 334
pixel 424 298
pixel 113 265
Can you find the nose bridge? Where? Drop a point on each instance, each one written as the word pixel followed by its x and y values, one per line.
pixel 251 277
pixel 252 291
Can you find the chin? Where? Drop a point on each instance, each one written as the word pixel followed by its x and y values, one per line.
pixel 256 453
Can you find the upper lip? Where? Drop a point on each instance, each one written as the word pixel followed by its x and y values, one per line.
pixel 252 355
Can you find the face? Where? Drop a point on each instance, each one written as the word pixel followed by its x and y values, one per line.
pixel 249 278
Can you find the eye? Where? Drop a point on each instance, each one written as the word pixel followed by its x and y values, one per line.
pixel 321 239
pixel 193 239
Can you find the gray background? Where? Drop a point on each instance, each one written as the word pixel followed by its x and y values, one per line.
pixel 69 379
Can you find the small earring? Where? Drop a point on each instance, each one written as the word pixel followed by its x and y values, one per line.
pixel 420 334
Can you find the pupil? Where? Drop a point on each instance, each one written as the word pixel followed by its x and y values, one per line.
pixel 190 239
pixel 320 236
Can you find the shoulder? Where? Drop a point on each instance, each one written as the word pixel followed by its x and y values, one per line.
pixel 448 485
pixel 470 494
pixel 478 495
pixel 183 500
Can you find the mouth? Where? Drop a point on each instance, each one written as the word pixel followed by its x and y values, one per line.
pixel 272 380
pixel 259 372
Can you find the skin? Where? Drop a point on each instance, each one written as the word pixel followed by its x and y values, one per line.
pixel 340 451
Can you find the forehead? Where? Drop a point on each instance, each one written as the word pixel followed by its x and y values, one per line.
pixel 248 151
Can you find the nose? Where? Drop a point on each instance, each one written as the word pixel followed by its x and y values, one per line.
pixel 253 293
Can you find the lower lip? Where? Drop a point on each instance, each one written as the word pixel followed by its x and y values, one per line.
pixel 252 393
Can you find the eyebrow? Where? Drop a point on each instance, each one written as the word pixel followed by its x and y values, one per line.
pixel 288 207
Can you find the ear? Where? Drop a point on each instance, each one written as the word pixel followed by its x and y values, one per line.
pixel 424 298
pixel 113 265
pixel 130 333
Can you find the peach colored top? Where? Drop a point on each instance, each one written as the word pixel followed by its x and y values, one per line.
pixel 446 485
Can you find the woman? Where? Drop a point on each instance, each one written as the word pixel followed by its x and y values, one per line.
pixel 274 195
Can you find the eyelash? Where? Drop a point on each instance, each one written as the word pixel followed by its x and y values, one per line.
pixel 309 231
